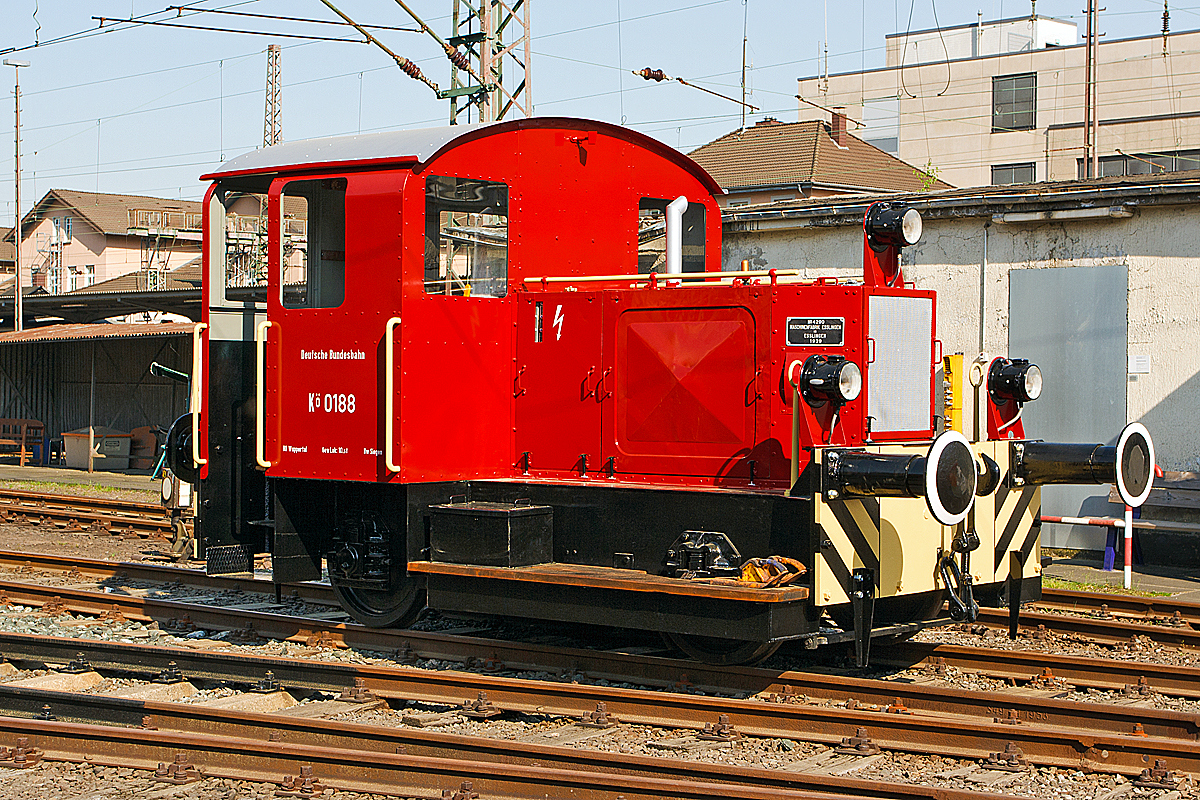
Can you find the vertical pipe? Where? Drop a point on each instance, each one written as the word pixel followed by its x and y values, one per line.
pixel 1087 96
pixel 675 211
pixel 1095 89
pixel 92 414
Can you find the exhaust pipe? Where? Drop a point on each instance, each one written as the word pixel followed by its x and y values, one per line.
pixel 675 211
pixel 1130 465
pixel 945 476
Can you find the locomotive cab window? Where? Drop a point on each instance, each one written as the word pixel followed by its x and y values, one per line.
pixel 466 237
pixel 652 236
pixel 312 228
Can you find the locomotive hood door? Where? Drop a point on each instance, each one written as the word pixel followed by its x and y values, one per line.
pixel 320 353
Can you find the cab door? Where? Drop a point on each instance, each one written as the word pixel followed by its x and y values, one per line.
pixel 561 384
pixel 319 351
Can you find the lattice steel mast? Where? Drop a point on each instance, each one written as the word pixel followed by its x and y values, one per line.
pixel 273 117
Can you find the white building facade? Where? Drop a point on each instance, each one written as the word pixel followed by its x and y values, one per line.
pixel 1003 102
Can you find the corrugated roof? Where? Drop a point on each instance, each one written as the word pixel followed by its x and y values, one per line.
pixel 776 153
pixel 185 276
pixel 107 213
pixel 71 332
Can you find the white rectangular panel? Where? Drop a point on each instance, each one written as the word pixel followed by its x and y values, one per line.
pixel 898 380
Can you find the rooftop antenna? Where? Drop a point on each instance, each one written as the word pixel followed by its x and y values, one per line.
pixel 826 5
pixel 745 17
pixel 273 113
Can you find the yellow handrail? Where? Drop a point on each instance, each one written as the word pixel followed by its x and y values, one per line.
pixel 389 391
pixel 197 377
pixel 260 421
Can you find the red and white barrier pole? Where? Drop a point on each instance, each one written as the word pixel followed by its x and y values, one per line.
pixel 1128 547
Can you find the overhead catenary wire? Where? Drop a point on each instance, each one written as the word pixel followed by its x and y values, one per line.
pixel 272 34
pixel 282 18
pixel 407 66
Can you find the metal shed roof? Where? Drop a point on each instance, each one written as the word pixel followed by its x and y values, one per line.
pixel 72 333
pixel 414 145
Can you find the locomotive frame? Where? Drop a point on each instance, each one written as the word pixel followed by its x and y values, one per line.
pixel 471 385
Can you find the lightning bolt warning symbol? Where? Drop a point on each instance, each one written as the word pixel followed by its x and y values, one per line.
pixel 558 322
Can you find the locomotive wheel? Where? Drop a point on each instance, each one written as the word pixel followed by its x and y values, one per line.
pixel 894 611
pixel 722 652
pixel 377 609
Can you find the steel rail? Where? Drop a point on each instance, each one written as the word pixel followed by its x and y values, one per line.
pixel 1022 666
pixel 102 571
pixel 1167 610
pixel 389 773
pixel 1093 628
pixel 348 737
pixel 82 511
pixel 942 735
pixel 787 686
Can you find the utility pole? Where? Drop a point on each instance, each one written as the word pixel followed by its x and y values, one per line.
pixel 17 309
pixel 495 35
pixel 273 118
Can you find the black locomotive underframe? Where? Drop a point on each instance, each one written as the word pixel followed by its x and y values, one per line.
pixel 594 525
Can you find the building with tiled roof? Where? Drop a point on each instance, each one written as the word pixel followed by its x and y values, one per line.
pixel 72 239
pixel 775 161
pixel 8 250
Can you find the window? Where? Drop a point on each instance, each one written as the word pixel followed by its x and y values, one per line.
pixel 54 279
pixel 62 230
pixel 1142 163
pixel 652 236
pixel 466 237
pixel 1013 173
pixel 313 268
pixel 1013 102
pixel 89 275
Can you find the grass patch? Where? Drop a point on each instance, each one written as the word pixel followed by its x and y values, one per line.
pixel 149 494
pixel 1054 582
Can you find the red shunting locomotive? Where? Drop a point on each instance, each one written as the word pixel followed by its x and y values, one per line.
pixel 497 370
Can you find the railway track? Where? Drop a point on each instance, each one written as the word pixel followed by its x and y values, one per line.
pixel 255 619
pixel 84 513
pixel 944 735
pixel 459 757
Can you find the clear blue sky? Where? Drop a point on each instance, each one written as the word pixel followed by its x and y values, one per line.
pixel 146 110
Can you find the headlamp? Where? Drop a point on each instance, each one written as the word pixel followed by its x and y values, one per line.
pixel 892 226
pixel 1014 379
pixel 830 379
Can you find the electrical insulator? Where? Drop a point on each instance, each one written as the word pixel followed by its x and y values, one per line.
pixel 410 69
pixel 458 59
pixel 653 74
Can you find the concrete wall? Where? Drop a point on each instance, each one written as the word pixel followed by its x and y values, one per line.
pixel 1160 247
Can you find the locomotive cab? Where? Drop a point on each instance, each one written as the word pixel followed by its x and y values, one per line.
pixel 497 370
